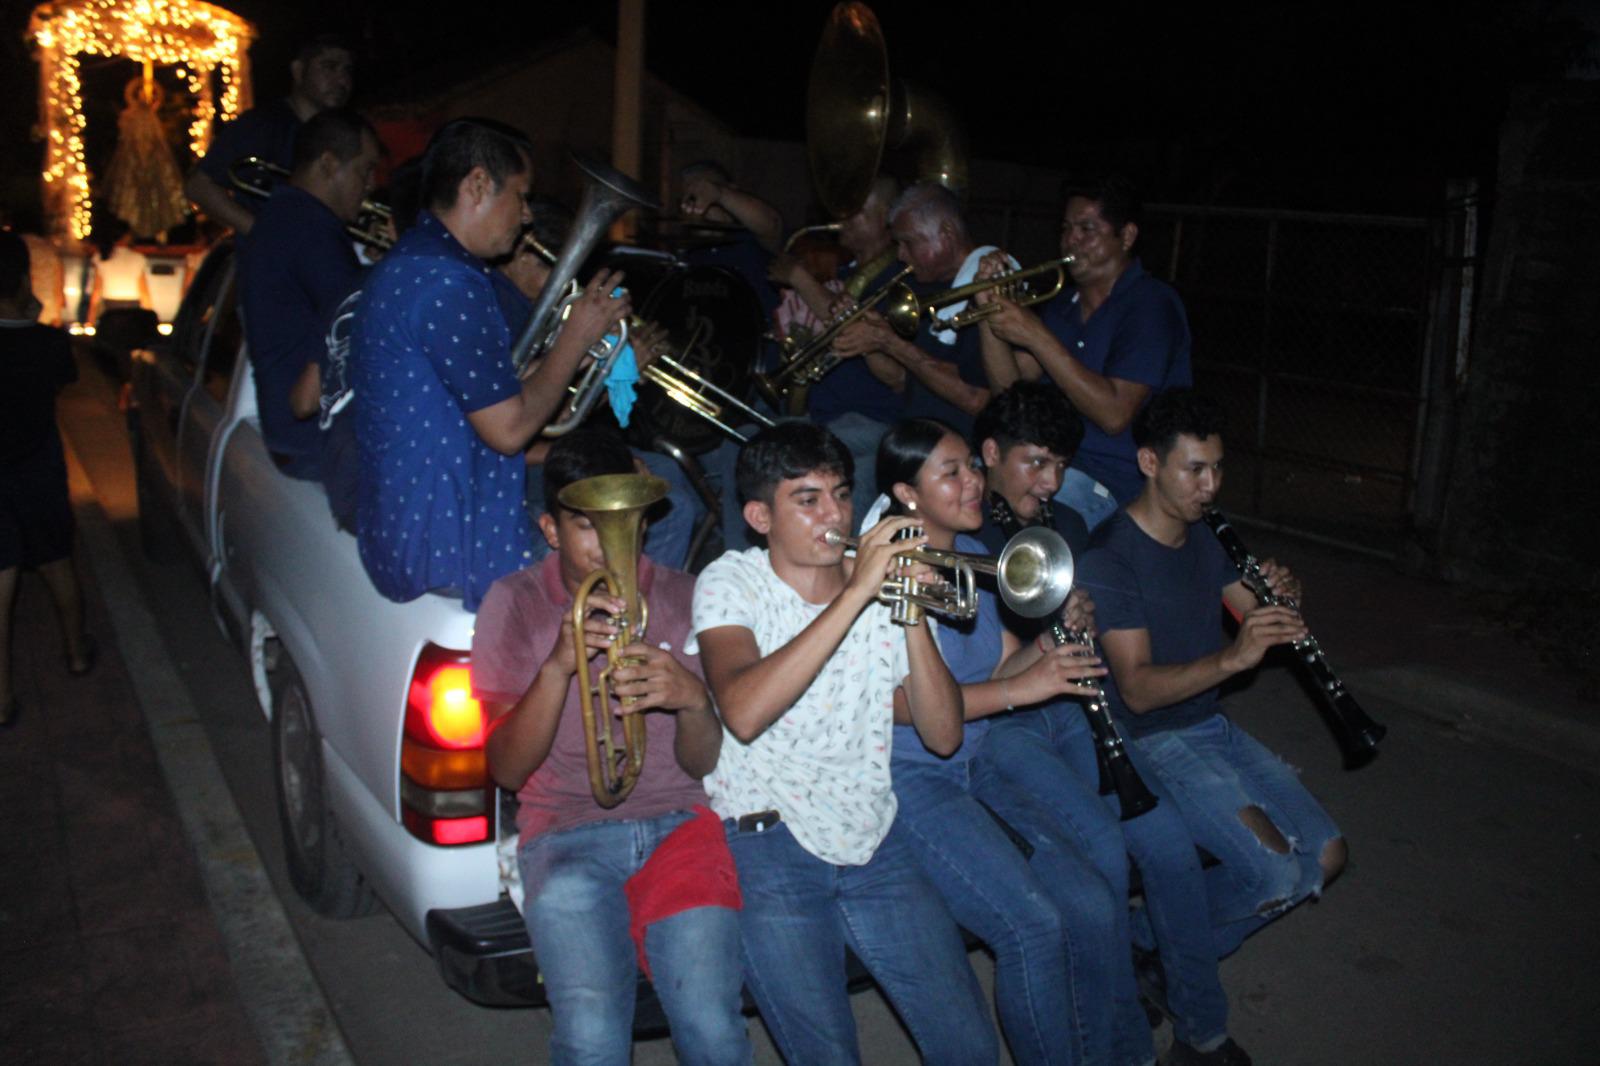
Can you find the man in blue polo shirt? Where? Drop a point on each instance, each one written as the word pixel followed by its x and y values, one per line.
pixel 1119 337
pixel 321 78
pixel 295 266
pixel 442 418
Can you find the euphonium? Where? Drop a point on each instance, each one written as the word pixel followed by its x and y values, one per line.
pixel 1033 573
pixel 615 505
pixel 607 194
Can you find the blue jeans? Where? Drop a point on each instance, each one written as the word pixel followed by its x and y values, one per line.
pixel 799 914
pixel 1049 919
pixel 1087 496
pixel 1214 770
pixel 577 916
pixel 1054 746
pixel 667 539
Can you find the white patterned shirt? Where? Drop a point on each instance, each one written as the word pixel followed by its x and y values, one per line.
pixel 824 764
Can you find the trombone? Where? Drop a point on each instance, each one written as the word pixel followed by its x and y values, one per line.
pixel 1033 573
pixel 691 389
pixel 374 221
pixel 906 316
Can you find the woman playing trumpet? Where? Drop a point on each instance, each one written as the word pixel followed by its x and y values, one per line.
pixel 1050 918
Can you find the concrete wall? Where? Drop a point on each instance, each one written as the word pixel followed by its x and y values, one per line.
pixel 1524 485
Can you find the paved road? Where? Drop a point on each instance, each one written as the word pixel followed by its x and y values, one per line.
pixel 1465 930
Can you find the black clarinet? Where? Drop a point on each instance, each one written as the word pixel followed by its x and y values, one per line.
pixel 1357 734
pixel 1117 773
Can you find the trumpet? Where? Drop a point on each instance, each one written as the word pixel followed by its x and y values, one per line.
pixel 374 221
pixel 615 505
pixel 906 316
pixel 811 362
pixel 1033 573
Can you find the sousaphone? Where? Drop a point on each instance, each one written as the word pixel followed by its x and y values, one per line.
pixel 855 114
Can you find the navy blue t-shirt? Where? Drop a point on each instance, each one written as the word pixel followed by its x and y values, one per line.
pixel 967 355
pixel 1175 594
pixel 266 132
pixel 1139 334
pixel 295 266
pixel 852 386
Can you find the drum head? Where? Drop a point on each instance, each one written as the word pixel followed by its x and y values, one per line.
pixel 716 326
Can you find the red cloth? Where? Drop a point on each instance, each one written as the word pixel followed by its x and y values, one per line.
pixel 692 867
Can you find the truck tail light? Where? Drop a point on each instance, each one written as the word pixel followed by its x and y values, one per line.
pixel 446 796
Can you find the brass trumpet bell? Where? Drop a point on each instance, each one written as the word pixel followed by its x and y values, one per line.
pixel 615 505
pixel 1033 573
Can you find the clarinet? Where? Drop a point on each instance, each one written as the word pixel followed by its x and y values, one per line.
pixel 1117 772
pixel 1357 734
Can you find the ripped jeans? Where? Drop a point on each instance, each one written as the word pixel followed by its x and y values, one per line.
pixel 1213 770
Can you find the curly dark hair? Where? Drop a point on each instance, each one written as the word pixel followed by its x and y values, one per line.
pixel 1030 412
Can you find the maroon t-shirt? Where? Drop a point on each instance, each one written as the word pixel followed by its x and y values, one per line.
pixel 518 624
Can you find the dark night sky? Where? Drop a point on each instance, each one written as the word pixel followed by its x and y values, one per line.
pixel 1352 106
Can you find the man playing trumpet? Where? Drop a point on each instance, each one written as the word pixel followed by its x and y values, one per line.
pixel 1117 339
pixel 808 669
pixel 593 876
pixel 944 366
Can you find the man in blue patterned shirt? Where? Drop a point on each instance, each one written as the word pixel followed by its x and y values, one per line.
pixel 443 419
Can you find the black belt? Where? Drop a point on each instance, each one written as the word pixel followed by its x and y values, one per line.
pixel 759 822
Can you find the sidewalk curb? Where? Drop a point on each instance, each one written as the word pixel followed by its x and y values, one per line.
pixel 1473 711
pixel 280 995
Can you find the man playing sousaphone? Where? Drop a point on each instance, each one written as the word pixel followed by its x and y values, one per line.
pixel 647 868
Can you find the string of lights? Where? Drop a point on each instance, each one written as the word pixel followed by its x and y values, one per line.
pixel 197 38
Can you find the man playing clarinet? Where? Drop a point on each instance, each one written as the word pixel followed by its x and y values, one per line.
pixel 1157 574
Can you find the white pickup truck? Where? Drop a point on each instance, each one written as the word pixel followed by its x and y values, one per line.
pixel 382 784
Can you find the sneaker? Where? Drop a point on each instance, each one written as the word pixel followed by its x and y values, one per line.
pixel 1227 1054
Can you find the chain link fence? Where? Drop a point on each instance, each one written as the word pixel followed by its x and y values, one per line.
pixel 1313 331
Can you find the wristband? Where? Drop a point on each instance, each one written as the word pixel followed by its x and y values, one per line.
pixel 1044 643
pixel 1005 693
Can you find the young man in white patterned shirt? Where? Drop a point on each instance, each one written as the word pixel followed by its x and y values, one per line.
pixel 808 673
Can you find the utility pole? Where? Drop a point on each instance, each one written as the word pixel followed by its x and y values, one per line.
pixel 626 121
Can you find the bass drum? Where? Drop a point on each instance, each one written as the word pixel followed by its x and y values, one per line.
pixel 717 329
